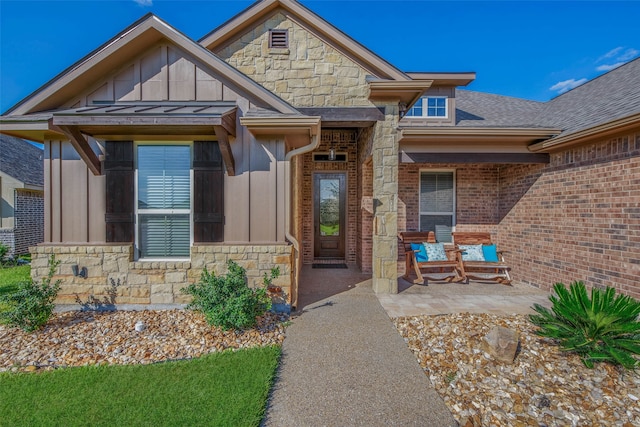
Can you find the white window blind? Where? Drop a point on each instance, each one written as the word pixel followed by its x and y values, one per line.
pixel 437 204
pixel 164 200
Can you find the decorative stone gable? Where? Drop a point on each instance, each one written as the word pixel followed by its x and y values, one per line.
pixel 309 73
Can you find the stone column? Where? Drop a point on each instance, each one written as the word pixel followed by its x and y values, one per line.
pixel 385 202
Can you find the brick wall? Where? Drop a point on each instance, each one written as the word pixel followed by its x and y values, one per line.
pixel 477 195
pixel 577 218
pixel 344 141
pixel 157 282
pixel 29 220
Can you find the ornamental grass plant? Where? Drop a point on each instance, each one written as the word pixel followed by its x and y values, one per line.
pixel 603 327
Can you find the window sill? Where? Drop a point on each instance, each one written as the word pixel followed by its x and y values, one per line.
pixel 161 264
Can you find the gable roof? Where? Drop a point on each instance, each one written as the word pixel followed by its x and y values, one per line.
pixel 339 40
pixel 124 46
pixel 21 160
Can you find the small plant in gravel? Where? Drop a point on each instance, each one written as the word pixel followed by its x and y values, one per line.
pixel 32 304
pixel 227 301
pixel 600 328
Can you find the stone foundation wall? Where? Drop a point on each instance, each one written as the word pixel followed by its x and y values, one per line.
pixel 154 282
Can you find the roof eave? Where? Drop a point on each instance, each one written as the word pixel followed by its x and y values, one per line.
pixel 444 79
pixel 587 135
pixel 407 92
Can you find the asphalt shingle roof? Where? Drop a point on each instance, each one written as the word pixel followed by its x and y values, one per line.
pixel 611 96
pixel 21 160
pixel 479 109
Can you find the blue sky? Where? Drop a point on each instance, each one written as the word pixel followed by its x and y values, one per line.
pixel 528 49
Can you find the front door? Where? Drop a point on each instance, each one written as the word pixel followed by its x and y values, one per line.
pixel 329 215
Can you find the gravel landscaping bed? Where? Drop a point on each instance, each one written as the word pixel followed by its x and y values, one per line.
pixel 543 387
pixel 79 338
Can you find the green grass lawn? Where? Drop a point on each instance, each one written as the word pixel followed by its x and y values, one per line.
pixel 223 389
pixel 11 276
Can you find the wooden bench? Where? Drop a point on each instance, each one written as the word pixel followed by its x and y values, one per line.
pixel 432 270
pixel 481 270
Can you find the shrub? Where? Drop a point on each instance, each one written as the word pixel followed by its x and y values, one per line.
pixel 32 304
pixel 226 301
pixel 603 328
pixel 4 250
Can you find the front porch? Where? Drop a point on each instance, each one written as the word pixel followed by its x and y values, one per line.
pixel 318 287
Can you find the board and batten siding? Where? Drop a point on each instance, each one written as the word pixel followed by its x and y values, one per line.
pixel 162 73
pixel 254 204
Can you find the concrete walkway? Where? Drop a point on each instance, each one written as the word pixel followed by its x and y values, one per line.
pixel 344 364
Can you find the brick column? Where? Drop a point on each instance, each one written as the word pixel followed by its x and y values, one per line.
pixel 385 201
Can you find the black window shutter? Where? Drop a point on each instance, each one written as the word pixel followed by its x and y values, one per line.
pixel 208 192
pixel 119 174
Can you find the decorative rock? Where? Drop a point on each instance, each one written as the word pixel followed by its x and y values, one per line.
pixel 86 338
pixel 525 393
pixel 501 343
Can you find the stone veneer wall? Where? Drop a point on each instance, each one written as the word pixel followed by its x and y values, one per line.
pixel 310 73
pixel 154 282
pixel 577 218
pixel 385 201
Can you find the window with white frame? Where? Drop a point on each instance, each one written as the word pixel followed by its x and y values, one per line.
pixel 429 106
pixel 163 200
pixel 437 203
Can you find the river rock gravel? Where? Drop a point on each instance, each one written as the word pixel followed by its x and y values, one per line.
pixel 543 387
pixel 78 338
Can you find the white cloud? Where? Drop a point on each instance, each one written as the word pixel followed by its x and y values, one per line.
pixel 616 57
pixel 628 54
pixel 609 67
pixel 563 86
pixel 144 2
pixel 610 54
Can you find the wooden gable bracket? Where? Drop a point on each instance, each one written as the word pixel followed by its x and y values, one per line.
pixel 225 149
pixel 81 145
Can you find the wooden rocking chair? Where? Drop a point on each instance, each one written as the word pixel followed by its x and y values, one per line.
pixel 494 270
pixel 448 270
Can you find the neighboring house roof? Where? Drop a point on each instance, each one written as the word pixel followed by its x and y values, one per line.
pixel 479 109
pixel 21 160
pixel 606 98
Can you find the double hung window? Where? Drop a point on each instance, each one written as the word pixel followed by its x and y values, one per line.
pixel 437 203
pixel 163 200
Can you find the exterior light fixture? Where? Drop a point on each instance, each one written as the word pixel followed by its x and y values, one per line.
pixel 332 154
pixel 79 272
